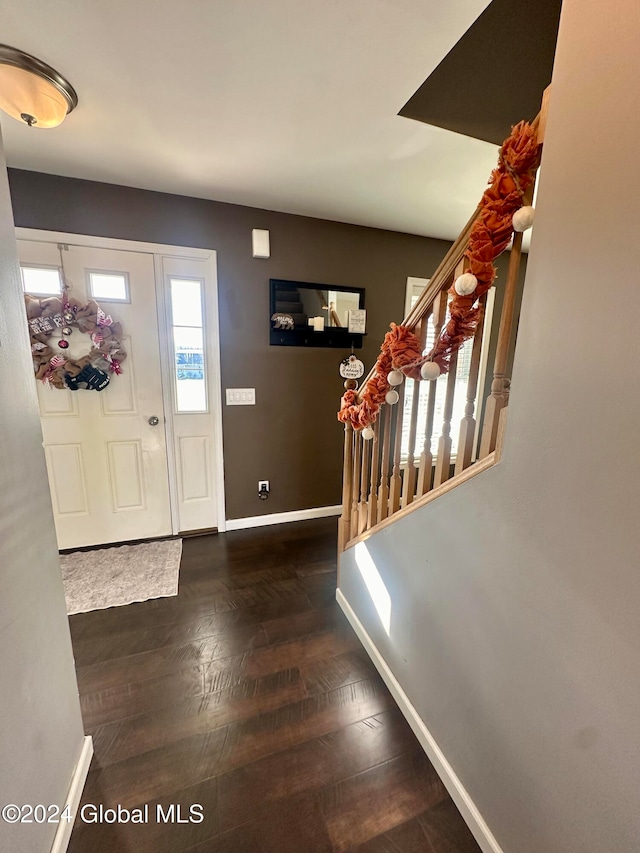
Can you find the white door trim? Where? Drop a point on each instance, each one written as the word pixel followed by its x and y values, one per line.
pixel 164 337
pixel 89 240
pixel 160 250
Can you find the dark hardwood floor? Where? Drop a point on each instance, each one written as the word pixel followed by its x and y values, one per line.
pixel 249 695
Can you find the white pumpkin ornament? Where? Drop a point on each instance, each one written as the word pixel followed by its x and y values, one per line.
pixel 429 370
pixel 395 377
pixel 465 284
pixel 367 433
pixel 392 397
pixel 523 218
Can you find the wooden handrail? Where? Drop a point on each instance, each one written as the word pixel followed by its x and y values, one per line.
pixel 443 276
pixel 439 281
pixel 384 479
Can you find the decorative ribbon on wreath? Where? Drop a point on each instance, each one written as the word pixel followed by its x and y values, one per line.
pixel 45 316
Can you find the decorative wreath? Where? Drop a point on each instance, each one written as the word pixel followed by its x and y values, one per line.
pixel 401 351
pixel 47 317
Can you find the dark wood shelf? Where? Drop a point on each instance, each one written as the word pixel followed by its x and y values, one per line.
pixel 306 337
pixel 298 300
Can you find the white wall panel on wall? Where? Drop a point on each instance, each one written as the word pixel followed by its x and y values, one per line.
pixel 67 479
pixel 125 475
pixel 55 401
pixel 194 466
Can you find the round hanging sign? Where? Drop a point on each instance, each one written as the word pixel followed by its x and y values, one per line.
pixel 351 368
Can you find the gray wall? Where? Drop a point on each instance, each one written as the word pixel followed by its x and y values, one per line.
pixel 298 389
pixel 514 625
pixel 41 729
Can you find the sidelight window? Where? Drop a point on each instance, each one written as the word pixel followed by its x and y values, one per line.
pixel 187 318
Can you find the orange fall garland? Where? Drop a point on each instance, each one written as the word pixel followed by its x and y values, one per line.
pixel 490 236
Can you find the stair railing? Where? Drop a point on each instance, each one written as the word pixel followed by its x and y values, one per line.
pixel 410 459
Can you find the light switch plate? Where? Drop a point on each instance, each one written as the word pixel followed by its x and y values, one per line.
pixel 241 396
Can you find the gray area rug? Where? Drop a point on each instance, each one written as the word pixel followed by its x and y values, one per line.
pixel 111 577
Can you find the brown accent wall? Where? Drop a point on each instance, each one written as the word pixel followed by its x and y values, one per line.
pixel 291 436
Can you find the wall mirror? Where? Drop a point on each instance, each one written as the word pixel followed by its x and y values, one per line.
pixel 314 315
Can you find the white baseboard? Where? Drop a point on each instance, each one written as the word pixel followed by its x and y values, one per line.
pixel 282 517
pixel 452 783
pixel 61 841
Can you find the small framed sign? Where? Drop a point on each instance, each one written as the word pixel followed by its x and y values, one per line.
pixel 357 321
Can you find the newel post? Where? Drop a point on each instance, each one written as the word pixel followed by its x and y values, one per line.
pixel 499 397
pixel 344 522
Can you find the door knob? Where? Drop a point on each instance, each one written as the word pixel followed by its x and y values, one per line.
pixel 154 420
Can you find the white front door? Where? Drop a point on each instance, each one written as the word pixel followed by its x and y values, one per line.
pixel 106 452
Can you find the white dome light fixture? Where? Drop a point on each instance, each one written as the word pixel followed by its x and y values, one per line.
pixel 33 92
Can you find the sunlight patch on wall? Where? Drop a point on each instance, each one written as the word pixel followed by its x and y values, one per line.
pixel 375 585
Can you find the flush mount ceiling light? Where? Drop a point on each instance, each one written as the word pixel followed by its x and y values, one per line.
pixel 31 91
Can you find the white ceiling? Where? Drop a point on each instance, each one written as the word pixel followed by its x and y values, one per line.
pixel 285 104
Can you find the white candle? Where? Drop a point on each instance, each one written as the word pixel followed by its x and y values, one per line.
pixel 318 324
